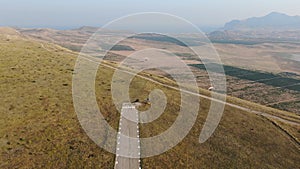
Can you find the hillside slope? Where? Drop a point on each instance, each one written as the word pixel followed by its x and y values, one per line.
pixel 39 128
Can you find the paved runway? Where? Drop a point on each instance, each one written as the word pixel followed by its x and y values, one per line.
pixel 128 142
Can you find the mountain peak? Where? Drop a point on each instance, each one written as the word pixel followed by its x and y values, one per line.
pixel 272 21
pixel 276 14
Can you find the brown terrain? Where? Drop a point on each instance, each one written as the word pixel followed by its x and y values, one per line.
pixel 280 59
pixel 40 129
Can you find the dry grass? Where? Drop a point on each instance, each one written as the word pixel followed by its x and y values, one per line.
pixel 39 128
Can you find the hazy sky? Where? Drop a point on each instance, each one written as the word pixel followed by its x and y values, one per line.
pixel 75 13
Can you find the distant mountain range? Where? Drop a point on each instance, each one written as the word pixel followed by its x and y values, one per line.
pixel 274 27
pixel 272 21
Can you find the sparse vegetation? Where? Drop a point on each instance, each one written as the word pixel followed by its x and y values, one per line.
pixel 257 86
pixel 39 128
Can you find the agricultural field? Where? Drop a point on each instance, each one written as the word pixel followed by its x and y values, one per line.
pixel 274 90
pixel 264 72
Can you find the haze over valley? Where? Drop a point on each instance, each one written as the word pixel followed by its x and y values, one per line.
pixel 45 124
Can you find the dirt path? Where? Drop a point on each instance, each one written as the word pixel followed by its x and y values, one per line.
pixel 197 94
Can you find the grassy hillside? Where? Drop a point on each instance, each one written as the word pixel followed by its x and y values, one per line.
pixel 39 128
